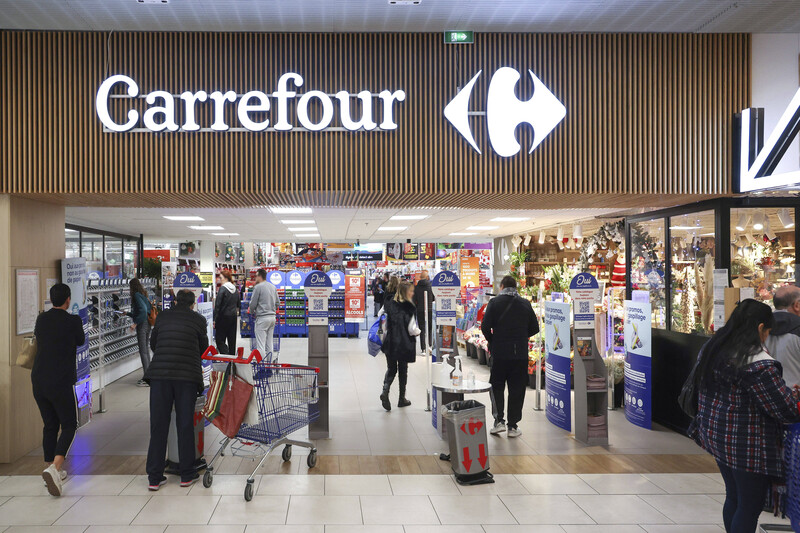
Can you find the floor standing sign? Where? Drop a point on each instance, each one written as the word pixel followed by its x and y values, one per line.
pixel 638 374
pixel 354 296
pixel 318 288
pixel 557 374
pixel 446 288
pixel 73 274
pixel 585 291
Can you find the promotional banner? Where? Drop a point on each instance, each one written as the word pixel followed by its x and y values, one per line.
pixel 470 273
pixel 394 251
pixel 557 374
pixel 410 252
pixel 585 291
pixel 638 374
pixel 354 296
pixel 446 287
pixel 73 274
pixel 427 252
pixel 318 289
pixel 276 278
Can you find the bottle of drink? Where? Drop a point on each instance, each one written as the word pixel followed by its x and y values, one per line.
pixel 458 375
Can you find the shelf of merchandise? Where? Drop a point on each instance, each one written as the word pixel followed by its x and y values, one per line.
pixel 336 323
pixel 295 311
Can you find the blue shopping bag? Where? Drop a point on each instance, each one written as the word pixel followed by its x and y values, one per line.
pixel 375 336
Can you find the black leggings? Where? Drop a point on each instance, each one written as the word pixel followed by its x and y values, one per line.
pixel 393 366
pixel 225 332
pixel 745 494
pixel 59 410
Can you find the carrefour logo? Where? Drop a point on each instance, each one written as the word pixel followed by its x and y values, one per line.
pixel 295 278
pixel 504 112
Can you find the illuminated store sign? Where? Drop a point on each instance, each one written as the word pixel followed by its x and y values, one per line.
pixel 251 108
pixel 504 112
pixel 755 161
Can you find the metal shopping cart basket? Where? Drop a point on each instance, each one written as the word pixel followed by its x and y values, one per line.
pixel 791 454
pixel 287 397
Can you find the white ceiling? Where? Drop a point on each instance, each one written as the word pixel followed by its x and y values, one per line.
pixel 334 225
pixel 746 16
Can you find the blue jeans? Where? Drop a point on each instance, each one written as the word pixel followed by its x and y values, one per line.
pixel 745 494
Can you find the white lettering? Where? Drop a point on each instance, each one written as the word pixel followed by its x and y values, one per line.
pixel 168 110
pixel 366 121
pixel 189 98
pixel 246 107
pixel 388 112
pixel 101 103
pixel 283 95
pixel 327 111
pixel 219 108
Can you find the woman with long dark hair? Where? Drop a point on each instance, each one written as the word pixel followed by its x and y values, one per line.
pixel 400 344
pixel 140 309
pixel 742 405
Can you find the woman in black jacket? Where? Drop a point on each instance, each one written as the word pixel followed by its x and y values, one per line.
pixel 226 311
pixel 175 375
pixel 399 345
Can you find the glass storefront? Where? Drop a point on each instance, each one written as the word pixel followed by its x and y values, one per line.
pixel 647 266
pixel 107 255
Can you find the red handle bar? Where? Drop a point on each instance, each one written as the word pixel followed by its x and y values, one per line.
pixel 211 354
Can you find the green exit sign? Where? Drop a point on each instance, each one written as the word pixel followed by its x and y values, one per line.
pixel 459 37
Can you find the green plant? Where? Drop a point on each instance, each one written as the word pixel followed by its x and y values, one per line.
pixel 558 277
pixel 517 259
pixel 151 268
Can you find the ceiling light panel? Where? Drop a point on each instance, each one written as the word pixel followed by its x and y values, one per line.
pixel 462 234
pixel 226 234
pixel 206 228
pixel 184 218
pixel 392 228
pixel 303 228
pixel 307 235
pixel 308 221
pixel 509 219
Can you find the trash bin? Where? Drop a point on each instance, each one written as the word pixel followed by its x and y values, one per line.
pixel 199 443
pixel 465 424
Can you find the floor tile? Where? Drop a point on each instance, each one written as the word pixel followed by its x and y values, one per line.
pixel 471 510
pixel 610 509
pixel 324 510
pixel 686 509
pixel 602 529
pixel 224 485
pixel 126 529
pixel 261 510
pixel 519 529
pixel 686 483
pixel 364 529
pixel 620 484
pixel 3 500
pixel 23 486
pixel 503 484
pixel 423 485
pixel 280 485
pixel 285 529
pixel 554 484
pixel 103 511
pixel 545 509
pixel 138 487
pixel 45 529
pixel 683 528
pixel 358 486
pixel 206 529
pixel 177 510
pixel 377 510
pixel 96 485
pixel 35 510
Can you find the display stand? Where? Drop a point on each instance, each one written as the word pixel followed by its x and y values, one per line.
pixel 318 289
pixel 446 287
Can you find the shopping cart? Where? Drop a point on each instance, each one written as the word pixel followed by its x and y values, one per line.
pixel 791 455
pixel 287 398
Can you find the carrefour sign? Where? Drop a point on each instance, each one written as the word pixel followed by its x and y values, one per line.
pixel 254 109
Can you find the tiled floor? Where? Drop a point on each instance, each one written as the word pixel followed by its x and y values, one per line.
pixel 406 504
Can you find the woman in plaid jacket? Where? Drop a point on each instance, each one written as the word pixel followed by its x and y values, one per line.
pixel 742 406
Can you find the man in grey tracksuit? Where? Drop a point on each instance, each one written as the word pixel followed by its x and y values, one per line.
pixel 264 306
pixel 783 342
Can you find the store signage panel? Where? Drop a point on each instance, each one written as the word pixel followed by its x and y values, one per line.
pixel 557 364
pixel 318 288
pixel 295 279
pixel 585 291
pixel 446 287
pixel 276 278
pixel 251 108
pixel 638 368
pixel 337 279
pixel 354 296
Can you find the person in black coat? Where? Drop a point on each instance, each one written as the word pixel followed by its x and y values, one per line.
pixel 507 325
pixel 399 344
pixel 422 288
pixel 378 291
pixel 175 376
pixel 226 311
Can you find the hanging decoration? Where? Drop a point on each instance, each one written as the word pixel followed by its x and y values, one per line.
pixel 643 245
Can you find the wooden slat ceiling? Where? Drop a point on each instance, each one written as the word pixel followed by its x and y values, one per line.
pixel 648 121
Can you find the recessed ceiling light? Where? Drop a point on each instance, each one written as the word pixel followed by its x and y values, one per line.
pixel 309 221
pixel 392 228
pixel 409 217
pixel 462 234
pixel 225 234
pixel 510 219
pixel 303 228
pixel 184 218
pixel 482 228
pixel 206 228
pixel 307 235
pixel 291 210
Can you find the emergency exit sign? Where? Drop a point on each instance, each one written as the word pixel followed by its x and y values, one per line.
pixel 459 37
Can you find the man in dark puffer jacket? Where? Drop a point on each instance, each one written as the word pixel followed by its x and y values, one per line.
pixel 175 376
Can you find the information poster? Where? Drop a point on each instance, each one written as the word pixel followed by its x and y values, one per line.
pixel 168 273
pixel 558 381
pixel 446 287
pixel 720 284
pixel 74 274
pixel 27 300
pixel 585 291
pixel 638 374
pixel 318 289
pixel 354 296
pixel 470 273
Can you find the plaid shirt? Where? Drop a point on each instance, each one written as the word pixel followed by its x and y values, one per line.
pixel 740 418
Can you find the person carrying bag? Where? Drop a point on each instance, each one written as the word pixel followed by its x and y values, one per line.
pixel 399 344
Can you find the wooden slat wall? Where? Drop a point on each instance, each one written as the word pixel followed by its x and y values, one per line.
pixel 649 120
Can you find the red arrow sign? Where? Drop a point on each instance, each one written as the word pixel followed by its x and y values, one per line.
pixel 467 462
pixel 483 457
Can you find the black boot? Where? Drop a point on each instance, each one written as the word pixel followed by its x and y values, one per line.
pixel 402 402
pixel 385 397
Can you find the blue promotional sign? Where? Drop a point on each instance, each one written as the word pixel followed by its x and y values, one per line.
pixel 337 279
pixel 187 280
pixel 446 287
pixel 295 279
pixel 557 374
pixel 276 278
pixel 583 280
pixel 638 371
pixel 585 291
pixel 318 288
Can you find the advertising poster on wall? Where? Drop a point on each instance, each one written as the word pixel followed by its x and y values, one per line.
pixel 638 373
pixel 427 252
pixel 394 251
pixel 318 289
pixel 354 296
pixel 73 274
pixel 410 252
pixel 557 373
pixel 446 287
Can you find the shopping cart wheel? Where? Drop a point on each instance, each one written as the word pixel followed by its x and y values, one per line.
pixel 286 454
pixel 208 479
pixel 248 492
pixel 312 459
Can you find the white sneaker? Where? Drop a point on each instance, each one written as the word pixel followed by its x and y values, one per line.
pixel 52 479
pixel 498 428
pixel 514 432
pixel 63 476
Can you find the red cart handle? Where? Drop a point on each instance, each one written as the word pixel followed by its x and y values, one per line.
pixel 211 354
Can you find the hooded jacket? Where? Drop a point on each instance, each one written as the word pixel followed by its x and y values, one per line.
pixel 398 344
pixel 783 344
pixel 140 306
pixel 227 303
pixel 507 324
pixel 178 341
